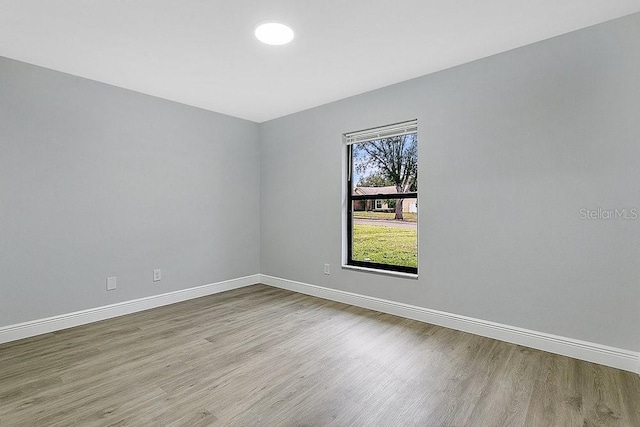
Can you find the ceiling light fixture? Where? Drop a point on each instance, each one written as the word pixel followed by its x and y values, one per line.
pixel 274 33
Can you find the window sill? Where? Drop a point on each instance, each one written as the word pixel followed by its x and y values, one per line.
pixel 383 272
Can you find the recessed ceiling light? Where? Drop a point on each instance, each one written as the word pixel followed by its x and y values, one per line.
pixel 274 33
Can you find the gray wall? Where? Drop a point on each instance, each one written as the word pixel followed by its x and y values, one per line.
pixel 98 181
pixel 511 147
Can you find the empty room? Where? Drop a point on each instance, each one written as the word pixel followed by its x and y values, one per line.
pixel 311 213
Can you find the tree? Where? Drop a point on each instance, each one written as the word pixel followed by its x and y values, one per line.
pixel 394 159
pixel 374 180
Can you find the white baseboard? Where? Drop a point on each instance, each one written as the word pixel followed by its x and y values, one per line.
pixel 583 350
pixel 64 321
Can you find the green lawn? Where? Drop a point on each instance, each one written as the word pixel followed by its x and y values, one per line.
pixel 408 216
pixel 385 245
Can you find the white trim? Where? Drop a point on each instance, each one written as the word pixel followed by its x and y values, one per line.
pixel 380 271
pixel 583 350
pixel 69 320
pixel 605 355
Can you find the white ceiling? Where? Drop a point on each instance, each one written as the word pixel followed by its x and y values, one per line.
pixel 203 52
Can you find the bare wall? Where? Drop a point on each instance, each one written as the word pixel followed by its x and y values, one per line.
pixel 511 148
pixel 97 181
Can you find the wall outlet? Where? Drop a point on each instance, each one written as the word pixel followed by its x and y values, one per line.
pixel 327 269
pixel 111 283
pixel 157 275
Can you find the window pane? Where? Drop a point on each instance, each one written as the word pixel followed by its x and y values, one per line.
pixel 379 238
pixel 383 228
pixel 385 166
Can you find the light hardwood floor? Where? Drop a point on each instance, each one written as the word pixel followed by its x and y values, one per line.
pixel 268 357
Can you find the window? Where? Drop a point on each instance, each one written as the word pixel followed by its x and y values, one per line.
pixel 382 198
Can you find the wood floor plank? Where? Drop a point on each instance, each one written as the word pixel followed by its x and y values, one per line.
pixel 263 356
